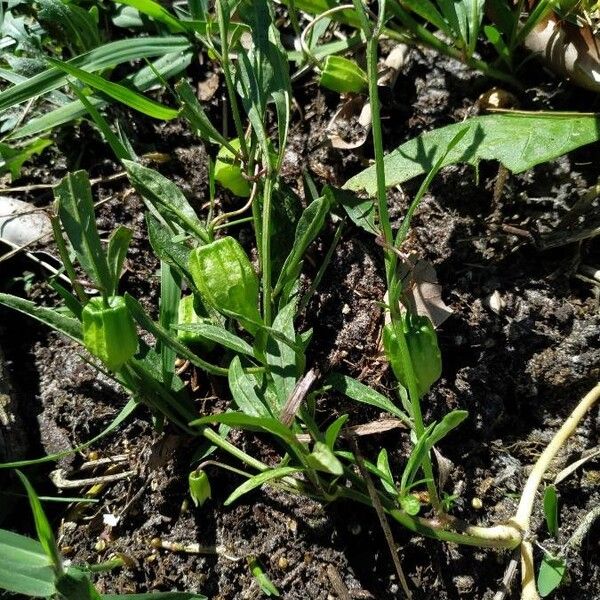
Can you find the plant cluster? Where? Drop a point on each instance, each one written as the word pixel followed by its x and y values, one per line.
pixel 226 315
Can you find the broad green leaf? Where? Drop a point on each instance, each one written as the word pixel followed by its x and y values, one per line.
pixel 310 224
pixel 360 210
pixel 158 13
pixel 220 335
pixel 20 551
pixel 108 55
pixel 118 244
pixel 167 66
pixel 13 158
pixel 57 320
pixel 518 140
pixel 551 510
pixel 244 391
pixel 552 572
pixel 165 197
pixel 118 92
pixel 259 480
pixel 362 393
pixel 166 337
pixel 78 26
pixel 124 414
pixel 42 526
pixel 24 566
pixel 76 211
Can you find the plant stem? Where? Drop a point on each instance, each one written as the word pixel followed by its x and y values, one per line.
pixel 265 254
pixel 226 66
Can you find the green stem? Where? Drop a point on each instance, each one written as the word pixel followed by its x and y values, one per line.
pixel 226 66
pixel 265 254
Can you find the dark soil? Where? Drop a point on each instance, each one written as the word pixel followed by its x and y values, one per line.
pixel 520 349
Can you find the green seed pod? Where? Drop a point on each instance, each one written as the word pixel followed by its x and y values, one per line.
pixel 343 75
pixel 188 315
pixel 226 280
pixel 228 171
pixel 423 349
pixel 199 487
pixel 109 331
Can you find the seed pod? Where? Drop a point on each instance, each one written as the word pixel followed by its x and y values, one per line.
pixel 423 348
pixel 343 75
pixel 228 171
pixel 109 331
pixel 199 487
pixel 226 280
pixel 188 315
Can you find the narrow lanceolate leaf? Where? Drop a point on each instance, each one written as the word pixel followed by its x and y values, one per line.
pixel 310 224
pixel 167 66
pixel 551 509
pixel 118 92
pixel 78 26
pixel 118 244
pixel 64 324
pixel 259 480
pixel 76 211
pixel 518 140
pixel 42 526
pixel 108 55
pixel 163 196
pixel 220 335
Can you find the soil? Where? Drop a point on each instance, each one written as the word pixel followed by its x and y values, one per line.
pixel 519 350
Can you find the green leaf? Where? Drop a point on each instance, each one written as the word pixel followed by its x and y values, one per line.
pixel 156 596
pixel 519 140
pixel 118 244
pixel 24 566
pixel 323 459
pixel 410 505
pixel 244 391
pixel 76 211
pixel 310 224
pixel 552 572
pixel 42 526
pixel 165 337
pixel 57 320
pixel 266 585
pixel 165 197
pixel 108 55
pixel 383 464
pixel 77 26
pixel 220 335
pixel 118 92
pixel 259 480
pixel 75 584
pixel 12 159
pixel 333 431
pixel 124 414
pixel 362 393
pixel 174 253
pixel 551 510
pixel 170 294
pixel 360 210
pixel 415 460
pixel 446 425
pixel 193 112
pixel 167 66
pixel 155 11
pixel 282 359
